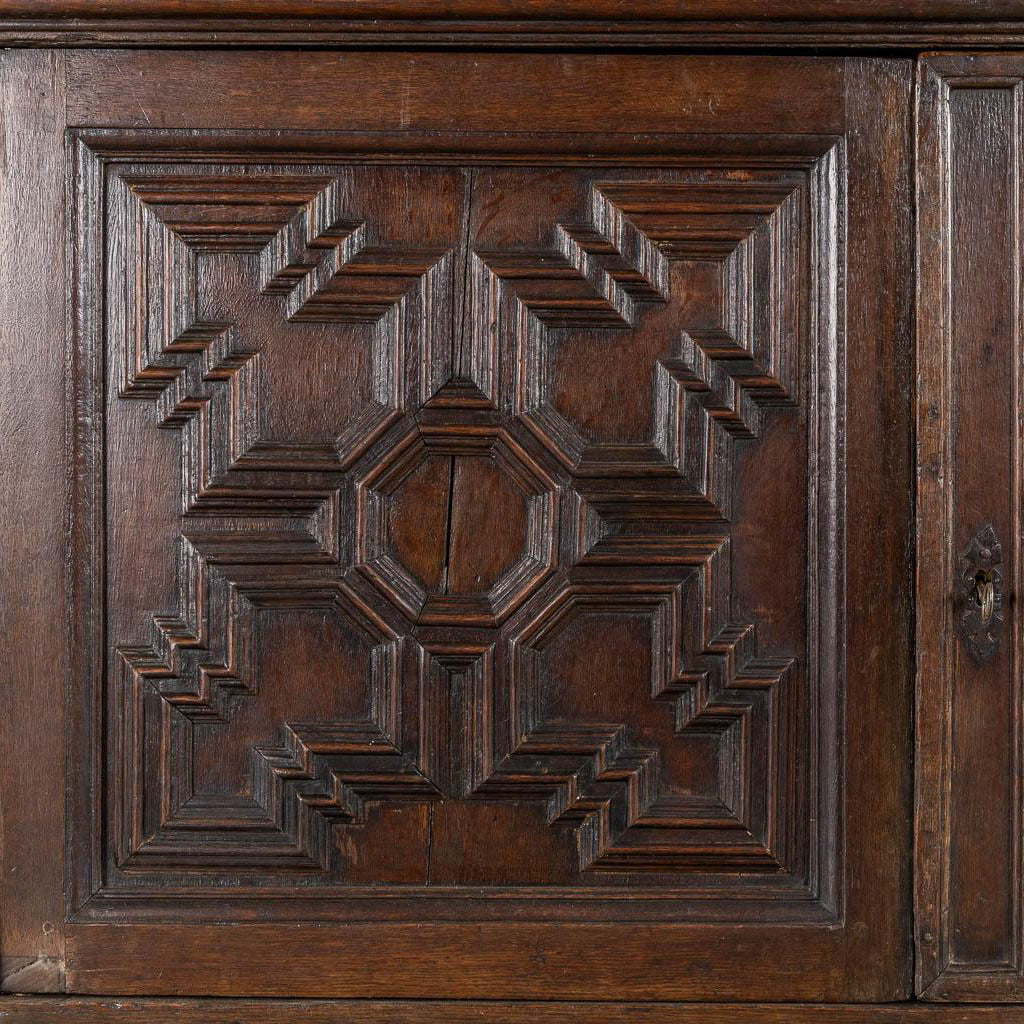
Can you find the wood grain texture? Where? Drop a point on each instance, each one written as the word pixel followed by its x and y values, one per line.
pixel 111 1010
pixel 33 585
pixel 969 760
pixel 443 92
pixel 516 960
pixel 946 10
pixel 315 688
pixel 514 23
pixel 879 467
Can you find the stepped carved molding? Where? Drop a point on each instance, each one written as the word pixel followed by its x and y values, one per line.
pixel 710 384
pixel 458 689
pixel 598 777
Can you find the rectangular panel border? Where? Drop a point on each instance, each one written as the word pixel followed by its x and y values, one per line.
pixel 937 975
pixel 822 158
pixel 864 956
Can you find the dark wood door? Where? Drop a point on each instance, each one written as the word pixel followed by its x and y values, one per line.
pixel 489 515
pixel 969 737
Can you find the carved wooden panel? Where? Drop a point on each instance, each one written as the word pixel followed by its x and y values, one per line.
pixel 441 510
pixel 970 760
pixel 457 515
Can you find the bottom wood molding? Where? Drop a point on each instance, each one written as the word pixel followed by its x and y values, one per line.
pixel 45 1009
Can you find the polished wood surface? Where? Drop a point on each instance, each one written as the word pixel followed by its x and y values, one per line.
pixel 612 98
pixel 459 530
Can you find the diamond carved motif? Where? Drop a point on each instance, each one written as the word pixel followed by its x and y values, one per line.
pixel 710 383
pixel 205 377
pixel 596 775
pixel 319 773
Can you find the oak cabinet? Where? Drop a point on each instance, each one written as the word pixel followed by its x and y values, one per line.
pixel 460 532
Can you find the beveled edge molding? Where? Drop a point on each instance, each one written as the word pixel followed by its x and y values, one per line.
pixel 821 157
pixel 511 23
pixel 938 975
pixel 110 1010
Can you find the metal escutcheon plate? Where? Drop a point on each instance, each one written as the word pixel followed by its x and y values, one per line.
pixel 980 603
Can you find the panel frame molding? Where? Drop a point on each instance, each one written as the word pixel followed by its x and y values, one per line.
pixel 136 1010
pixel 860 956
pixel 512 24
pixel 941 666
pixel 822 159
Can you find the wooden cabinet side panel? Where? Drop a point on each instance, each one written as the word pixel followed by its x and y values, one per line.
pixel 969 417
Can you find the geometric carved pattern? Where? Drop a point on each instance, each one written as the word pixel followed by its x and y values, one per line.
pixel 467 695
pixel 309 253
pixel 208 385
pixel 321 772
pixel 593 774
pixel 602 274
pixel 515 584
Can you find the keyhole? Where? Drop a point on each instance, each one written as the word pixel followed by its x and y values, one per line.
pixel 984 594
